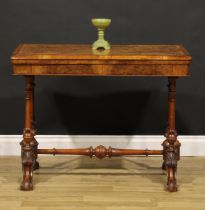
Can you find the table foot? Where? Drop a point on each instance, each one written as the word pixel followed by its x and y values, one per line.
pixel 171 179
pixel 28 157
pixel 27 167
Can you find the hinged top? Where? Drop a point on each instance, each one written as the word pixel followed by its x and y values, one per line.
pixel 121 60
pixel 84 52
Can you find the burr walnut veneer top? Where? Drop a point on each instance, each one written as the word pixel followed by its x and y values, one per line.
pixel 70 59
pixel 121 52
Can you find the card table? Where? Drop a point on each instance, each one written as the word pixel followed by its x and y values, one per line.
pixel 30 60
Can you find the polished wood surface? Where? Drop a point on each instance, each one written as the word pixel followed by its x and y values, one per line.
pixel 121 60
pixel 171 144
pixel 171 61
pixel 118 52
pixel 29 144
pixel 75 183
pixel 99 152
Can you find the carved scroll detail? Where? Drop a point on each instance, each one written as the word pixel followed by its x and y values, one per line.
pixel 171 156
pixel 28 161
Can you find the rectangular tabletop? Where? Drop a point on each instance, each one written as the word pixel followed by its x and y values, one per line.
pixel 121 60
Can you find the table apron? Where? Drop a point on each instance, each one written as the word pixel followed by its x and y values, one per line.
pixel 102 70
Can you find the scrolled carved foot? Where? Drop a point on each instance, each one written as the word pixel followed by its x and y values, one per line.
pixel 27 167
pixel 26 186
pixel 171 180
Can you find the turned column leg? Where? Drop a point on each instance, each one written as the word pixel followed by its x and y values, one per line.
pixel 29 143
pixel 33 123
pixel 171 145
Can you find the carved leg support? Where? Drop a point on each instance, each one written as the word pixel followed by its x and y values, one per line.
pixel 171 156
pixel 29 143
pixel 28 159
pixel 33 123
pixel 171 145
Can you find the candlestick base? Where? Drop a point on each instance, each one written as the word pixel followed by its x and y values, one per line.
pixel 101 45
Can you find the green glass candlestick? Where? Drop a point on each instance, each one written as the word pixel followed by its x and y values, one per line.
pixel 101 24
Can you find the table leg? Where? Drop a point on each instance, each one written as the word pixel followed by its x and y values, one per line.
pixel 33 123
pixel 171 145
pixel 29 143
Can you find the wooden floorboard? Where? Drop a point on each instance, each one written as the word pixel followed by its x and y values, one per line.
pixel 127 183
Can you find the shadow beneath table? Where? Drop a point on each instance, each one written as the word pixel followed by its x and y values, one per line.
pixel 118 166
pixel 110 114
pixel 85 167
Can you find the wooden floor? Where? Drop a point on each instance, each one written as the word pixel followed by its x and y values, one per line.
pixel 65 183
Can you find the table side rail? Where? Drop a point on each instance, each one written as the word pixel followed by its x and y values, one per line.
pixel 102 69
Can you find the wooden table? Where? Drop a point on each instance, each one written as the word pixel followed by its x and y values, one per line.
pixel 30 60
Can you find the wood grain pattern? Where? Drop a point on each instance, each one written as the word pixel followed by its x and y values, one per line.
pixel 121 60
pixel 102 70
pixel 118 52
